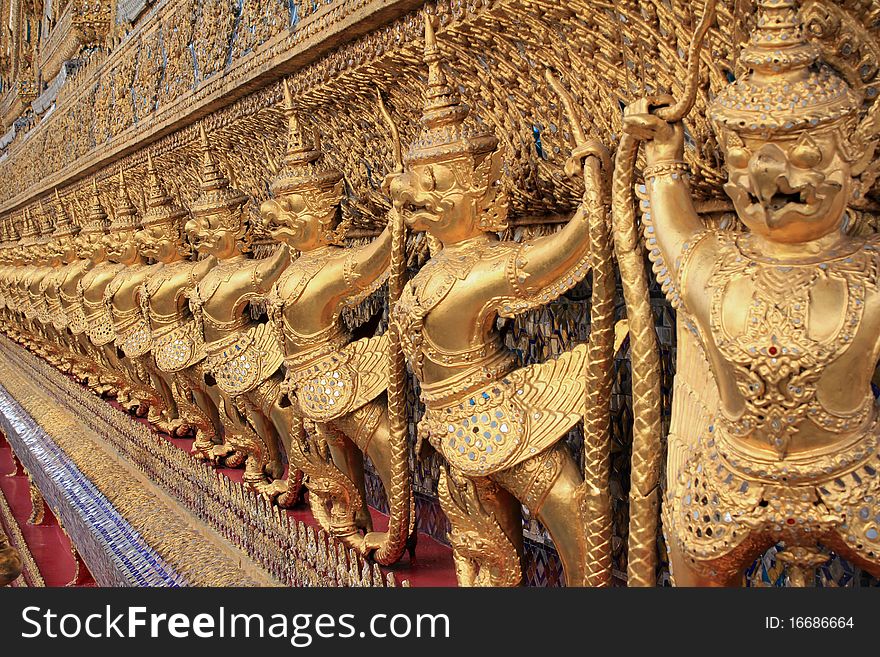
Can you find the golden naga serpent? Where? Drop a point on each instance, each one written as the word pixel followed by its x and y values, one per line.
pixel 399 500
pixel 597 436
pixel 647 452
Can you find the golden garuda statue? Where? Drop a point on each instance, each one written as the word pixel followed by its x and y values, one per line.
pixel 332 381
pixel 178 345
pixel 52 349
pixel 94 364
pixel 44 263
pixel 29 251
pixel 243 358
pixel 161 241
pixel 497 426
pixel 95 237
pixel 64 246
pixel 80 359
pixel 774 431
pixel 131 334
pixel 18 284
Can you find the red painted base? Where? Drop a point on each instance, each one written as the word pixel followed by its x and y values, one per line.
pixel 433 561
pixel 433 565
pixel 48 544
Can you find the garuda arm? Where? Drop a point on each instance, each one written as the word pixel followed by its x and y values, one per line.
pixel 542 269
pixel 268 270
pixel 364 269
pixel 670 221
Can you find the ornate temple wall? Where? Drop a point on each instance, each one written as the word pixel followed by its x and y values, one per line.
pixel 142 77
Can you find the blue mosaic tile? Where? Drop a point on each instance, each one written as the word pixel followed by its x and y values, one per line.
pixel 115 553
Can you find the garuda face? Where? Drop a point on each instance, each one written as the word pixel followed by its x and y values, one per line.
pixel 450 198
pixel 216 233
pixel 302 219
pixel 160 242
pixel 790 189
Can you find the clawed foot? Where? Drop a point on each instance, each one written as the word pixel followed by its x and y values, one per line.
pixel 374 540
pixel 165 426
pixel 234 460
pixel 183 429
pixel 175 427
pixel 271 489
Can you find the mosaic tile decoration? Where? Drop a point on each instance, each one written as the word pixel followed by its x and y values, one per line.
pixel 117 555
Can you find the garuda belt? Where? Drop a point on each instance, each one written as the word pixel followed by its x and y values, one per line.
pixel 511 419
pixel 58 316
pixel 137 340
pixel 340 382
pixel 717 514
pixel 242 364
pixel 178 348
pixel 99 328
pixel 76 320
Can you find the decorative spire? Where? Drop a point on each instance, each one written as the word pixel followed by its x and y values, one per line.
pixel 46 224
pixel 304 166
pixel 786 89
pixel 13 231
pixel 444 134
pixel 74 214
pixel 29 230
pixel 161 209
pixel 126 217
pixel 443 105
pixel 216 192
pixel 96 219
pixel 64 227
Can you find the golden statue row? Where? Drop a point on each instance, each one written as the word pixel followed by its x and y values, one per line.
pixel 774 423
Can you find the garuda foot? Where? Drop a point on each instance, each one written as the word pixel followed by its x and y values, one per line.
pixel 289 498
pixel 160 423
pixel 106 390
pixel 93 385
pixel 202 448
pixel 235 460
pixel 182 429
pixel 171 427
pixel 357 542
pixel 206 450
pixel 271 489
pixel 374 540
